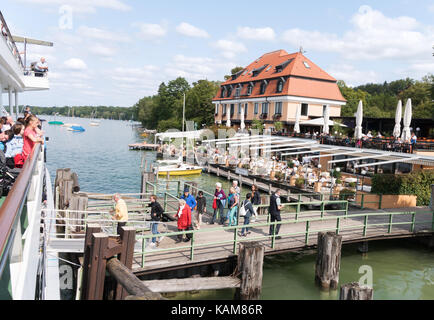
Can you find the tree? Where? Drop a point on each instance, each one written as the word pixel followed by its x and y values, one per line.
pixel 258 125
pixel 234 71
pixel 278 126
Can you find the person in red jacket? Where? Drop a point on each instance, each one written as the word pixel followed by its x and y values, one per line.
pixel 184 220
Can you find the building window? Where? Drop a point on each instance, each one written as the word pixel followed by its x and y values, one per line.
pixel 249 89
pixel 324 108
pixel 232 109
pixel 238 91
pixel 216 109
pixel 256 108
pixel 279 86
pixel 278 108
pixel 223 109
pixel 304 109
pixel 223 92
pixel 265 108
pixel 229 92
pixel 239 108
pixel 263 87
pixel 246 109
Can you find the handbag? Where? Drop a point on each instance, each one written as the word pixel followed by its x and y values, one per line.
pixel 214 204
pixel 243 211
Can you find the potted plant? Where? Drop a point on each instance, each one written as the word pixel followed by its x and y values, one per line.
pixel 299 183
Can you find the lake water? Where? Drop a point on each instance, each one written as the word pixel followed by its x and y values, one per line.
pixel 103 162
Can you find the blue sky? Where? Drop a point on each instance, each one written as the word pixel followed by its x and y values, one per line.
pixel 114 52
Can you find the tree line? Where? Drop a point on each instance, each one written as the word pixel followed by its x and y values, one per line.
pixel 100 112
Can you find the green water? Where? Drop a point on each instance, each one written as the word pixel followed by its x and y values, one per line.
pixel 100 156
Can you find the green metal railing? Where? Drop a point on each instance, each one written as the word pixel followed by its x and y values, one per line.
pixel 365 219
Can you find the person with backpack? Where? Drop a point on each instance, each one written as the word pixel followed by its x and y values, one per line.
pixel 233 201
pixel 156 214
pixel 275 207
pixel 246 211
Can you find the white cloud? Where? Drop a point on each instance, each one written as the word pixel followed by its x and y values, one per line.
pixel 151 31
pixel 259 34
pixel 101 50
pixel 75 64
pixel 191 31
pixel 352 76
pixel 82 6
pixel 197 68
pixel 373 36
pixel 100 34
pixel 431 8
pixel 229 49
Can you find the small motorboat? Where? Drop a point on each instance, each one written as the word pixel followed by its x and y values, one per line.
pixel 95 123
pixel 176 168
pixel 76 129
pixel 69 125
pixel 56 123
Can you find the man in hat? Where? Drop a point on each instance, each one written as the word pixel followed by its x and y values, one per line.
pixel 189 199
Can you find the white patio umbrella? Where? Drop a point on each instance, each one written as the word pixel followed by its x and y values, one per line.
pixel 359 121
pixel 406 134
pixel 297 120
pixel 398 116
pixel 243 125
pixel 326 128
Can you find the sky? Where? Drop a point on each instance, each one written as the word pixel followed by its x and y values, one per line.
pixel 115 52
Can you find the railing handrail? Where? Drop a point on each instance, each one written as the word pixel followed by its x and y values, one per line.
pixel 14 202
pixel 11 39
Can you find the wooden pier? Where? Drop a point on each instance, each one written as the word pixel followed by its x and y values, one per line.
pixel 143 146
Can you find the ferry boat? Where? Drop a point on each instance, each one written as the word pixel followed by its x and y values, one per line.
pixel 26 271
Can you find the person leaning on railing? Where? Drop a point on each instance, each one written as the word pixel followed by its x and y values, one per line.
pixel 31 136
pixel 156 213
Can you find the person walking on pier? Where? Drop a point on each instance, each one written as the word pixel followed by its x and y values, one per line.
pixel 189 199
pixel 256 201
pixel 120 212
pixel 200 208
pixel 233 200
pixel 275 207
pixel 248 207
pixel 220 197
pixel 184 220
pixel 156 214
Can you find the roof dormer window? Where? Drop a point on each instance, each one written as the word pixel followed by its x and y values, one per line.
pixel 263 87
pixel 256 72
pixel 280 84
pixel 306 64
pixel 223 92
pixel 229 92
pixel 249 89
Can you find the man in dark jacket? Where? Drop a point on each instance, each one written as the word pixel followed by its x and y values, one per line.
pixel 247 204
pixel 156 214
pixel 275 207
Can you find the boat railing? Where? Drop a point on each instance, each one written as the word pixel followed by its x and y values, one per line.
pixel 7 36
pixel 13 215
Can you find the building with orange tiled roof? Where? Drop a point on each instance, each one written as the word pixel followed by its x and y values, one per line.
pixel 271 88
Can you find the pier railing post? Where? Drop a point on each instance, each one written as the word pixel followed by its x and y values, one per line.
pixel 353 291
pixel 91 229
pixel 128 239
pixel 250 267
pixel 328 260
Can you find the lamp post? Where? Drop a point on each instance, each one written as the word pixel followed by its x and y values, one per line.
pixel 332 183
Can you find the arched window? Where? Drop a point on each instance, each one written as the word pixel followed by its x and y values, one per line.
pixel 249 89
pixel 222 95
pixel 229 92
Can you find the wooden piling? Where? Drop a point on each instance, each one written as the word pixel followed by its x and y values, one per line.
pixel 250 267
pixel 91 229
pixel 328 260
pixel 95 282
pixel 353 291
pixel 128 239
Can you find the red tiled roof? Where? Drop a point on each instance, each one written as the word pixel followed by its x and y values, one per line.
pixel 303 81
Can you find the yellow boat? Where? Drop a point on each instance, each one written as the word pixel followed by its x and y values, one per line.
pixel 176 168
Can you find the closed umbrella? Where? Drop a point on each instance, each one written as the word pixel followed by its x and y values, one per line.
pixel 297 120
pixel 228 122
pixel 406 134
pixel 398 116
pixel 359 121
pixel 243 125
pixel 326 128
